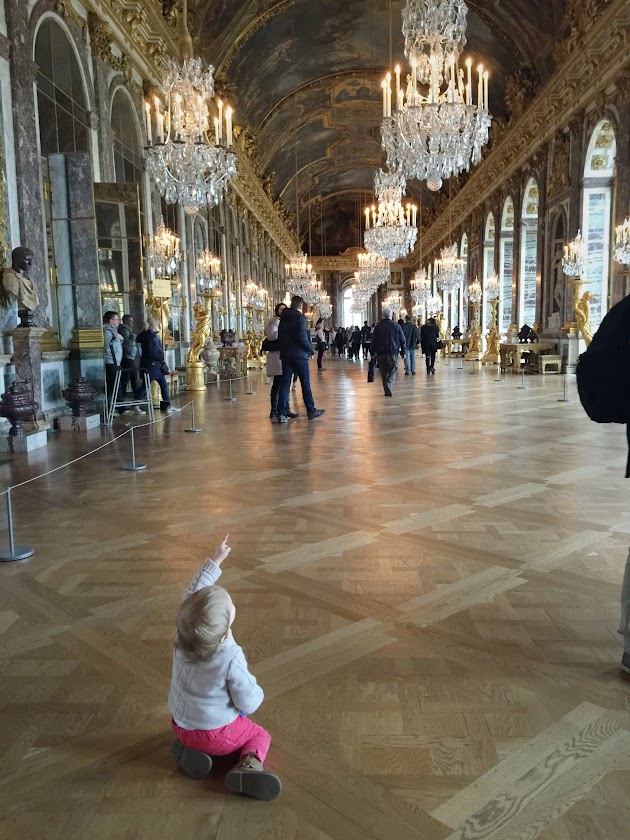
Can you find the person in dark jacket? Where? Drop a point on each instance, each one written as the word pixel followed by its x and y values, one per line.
pixel 296 348
pixel 388 340
pixel 154 362
pixel 412 341
pixel 130 363
pixel 429 337
pixel 340 339
pixel 355 344
pixel 366 338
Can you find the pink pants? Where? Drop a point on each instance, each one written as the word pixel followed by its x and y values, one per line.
pixel 241 735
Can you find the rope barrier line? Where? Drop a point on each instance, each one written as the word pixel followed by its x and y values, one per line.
pixel 113 440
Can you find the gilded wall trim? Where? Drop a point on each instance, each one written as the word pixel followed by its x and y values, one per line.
pixel 586 72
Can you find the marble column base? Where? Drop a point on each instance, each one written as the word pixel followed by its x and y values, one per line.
pixel 23 443
pixel 570 348
pixel 70 423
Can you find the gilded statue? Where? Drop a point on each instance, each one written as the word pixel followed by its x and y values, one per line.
pixel 583 316
pixel 200 334
pixel 161 311
pixel 17 285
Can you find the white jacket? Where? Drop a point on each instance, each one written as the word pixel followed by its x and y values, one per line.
pixel 209 695
pixel 273 363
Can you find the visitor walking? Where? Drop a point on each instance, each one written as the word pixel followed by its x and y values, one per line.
pixel 273 361
pixel 320 343
pixel 366 337
pixel 340 340
pixel 296 348
pixel 154 362
pixel 429 337
pixel 333 342
pixel 412 342
pixel 355 344
pixel 212 691
pixel 388 341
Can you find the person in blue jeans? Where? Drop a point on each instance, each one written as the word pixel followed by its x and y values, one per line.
pixel 154 362
pixel 296 348
pixel 412 342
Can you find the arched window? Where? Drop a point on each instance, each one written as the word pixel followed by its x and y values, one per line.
pixel 462 308
pixel 348 314
pixel 61 99
pixel 506 261
pixel 599 174
pixel 127 145
pixel 488 266
pixel 529 253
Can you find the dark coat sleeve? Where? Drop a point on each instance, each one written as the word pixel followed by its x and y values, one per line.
pixel 402 339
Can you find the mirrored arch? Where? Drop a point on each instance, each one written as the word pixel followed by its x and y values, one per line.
pixel 529 253
pixel 506 263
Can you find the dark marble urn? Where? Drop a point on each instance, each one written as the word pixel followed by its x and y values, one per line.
pixel 17 404
pixel 78 394
pixel 228 337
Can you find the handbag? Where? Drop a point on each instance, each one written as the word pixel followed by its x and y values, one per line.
pixel 440 344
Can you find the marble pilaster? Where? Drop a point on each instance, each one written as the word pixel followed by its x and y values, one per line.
pixel 27 165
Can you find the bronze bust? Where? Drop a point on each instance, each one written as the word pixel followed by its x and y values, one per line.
pixel 18 285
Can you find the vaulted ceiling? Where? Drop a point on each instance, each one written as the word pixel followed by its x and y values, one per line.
pixel 304 76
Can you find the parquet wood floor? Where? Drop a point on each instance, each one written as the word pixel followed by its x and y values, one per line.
pixel 427 588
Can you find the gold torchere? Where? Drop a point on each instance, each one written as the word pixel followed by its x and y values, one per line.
pixel 493 339
pixel 474 353
pixel 252 341
pixel 160 310
pixel 195 368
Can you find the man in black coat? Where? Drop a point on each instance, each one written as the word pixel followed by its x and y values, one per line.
pixel 388 340
pixel 429 337
pixel 296 348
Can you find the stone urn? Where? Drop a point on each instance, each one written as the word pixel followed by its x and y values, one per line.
pixel 78 394
pixel 210 355
pixel 17 405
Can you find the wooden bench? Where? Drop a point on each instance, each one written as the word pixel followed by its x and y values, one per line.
pixel 546 362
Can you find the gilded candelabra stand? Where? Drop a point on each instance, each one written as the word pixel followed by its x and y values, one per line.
pixel 493 339
pixel 574 266
pixel 475 352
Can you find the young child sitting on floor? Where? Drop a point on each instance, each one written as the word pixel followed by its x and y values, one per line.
pixel 212 690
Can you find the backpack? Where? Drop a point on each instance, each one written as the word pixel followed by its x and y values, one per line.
pixel 603 371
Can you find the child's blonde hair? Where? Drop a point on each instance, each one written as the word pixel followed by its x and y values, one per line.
pixel 203 621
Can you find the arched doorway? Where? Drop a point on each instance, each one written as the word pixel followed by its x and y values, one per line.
pixel 488 267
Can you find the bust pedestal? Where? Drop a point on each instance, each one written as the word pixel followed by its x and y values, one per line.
pixel 232 362
pixel 27 358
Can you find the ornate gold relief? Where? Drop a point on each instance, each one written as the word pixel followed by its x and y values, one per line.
pixel 67 11
pixel 101 37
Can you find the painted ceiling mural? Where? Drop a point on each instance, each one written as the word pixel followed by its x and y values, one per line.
pixel 305 77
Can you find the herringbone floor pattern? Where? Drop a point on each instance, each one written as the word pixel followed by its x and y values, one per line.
pixel 427 589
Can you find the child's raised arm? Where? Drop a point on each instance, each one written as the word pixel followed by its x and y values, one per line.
pixel 210 572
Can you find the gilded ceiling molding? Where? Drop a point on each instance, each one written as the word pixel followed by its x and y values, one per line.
pixel 604 55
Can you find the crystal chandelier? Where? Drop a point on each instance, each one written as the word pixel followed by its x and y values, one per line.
pixel 163 252
pixel 189 162
pixel 435 305
pixel 475 292
pixel 449 270
pixel 325 306
pixel 622 243
pixel 434 134
pixel 393 301
pixel 373 269
pixel 208 271
pixel 421 287
pixel 390 231
pixel 254 297
pixel 299 276
pixel 574 260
